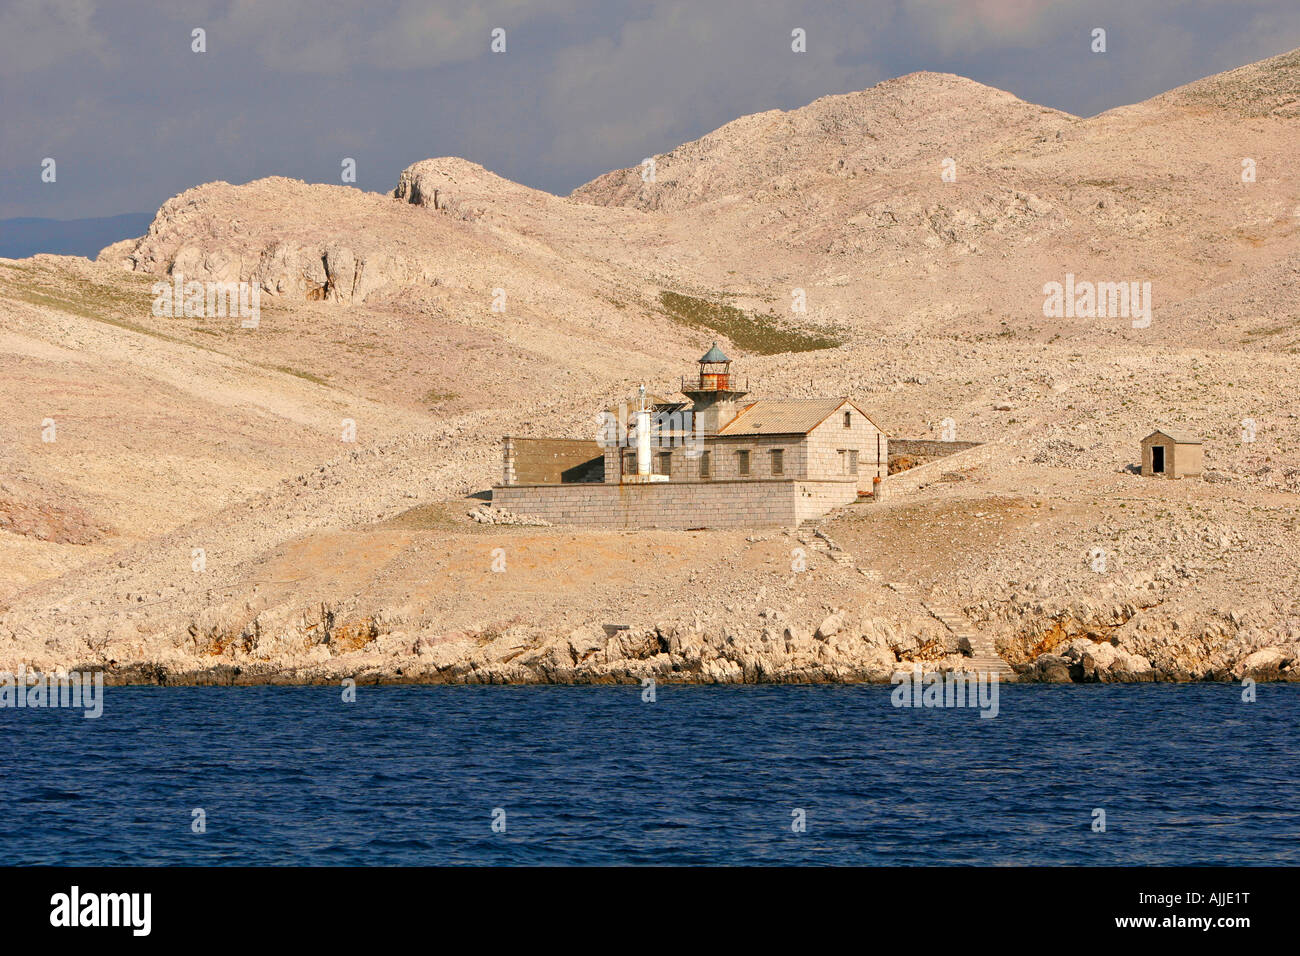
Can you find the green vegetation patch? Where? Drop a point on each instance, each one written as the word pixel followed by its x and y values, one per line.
pixel 434 397
pixel 90 300
pixel 298 373
pixel 748 330
pixel 110 304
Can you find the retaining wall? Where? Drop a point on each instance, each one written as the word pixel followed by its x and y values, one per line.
pixel 678 504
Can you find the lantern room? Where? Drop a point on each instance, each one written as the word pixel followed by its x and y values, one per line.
pixel 715 396
pixel 715 371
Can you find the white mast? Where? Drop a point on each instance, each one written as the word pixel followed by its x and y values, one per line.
pixel 643 436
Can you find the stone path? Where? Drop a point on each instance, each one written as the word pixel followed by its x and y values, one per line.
pixel 983 656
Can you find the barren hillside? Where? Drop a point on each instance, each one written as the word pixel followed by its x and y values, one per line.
pixel 461 307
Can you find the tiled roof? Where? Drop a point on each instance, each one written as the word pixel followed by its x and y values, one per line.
pixel 1179 437
pixel 796 416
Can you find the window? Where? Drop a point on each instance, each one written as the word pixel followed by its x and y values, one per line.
pixel 704 464
pixel 848 419
pixel 629 463
pixel 665 463
pixel 853 461
pixel 778 461
pixel 742 463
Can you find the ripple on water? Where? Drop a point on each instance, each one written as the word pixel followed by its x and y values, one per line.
pixel 1186 774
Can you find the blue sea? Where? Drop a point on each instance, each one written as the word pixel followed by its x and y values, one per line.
pixel 1185 774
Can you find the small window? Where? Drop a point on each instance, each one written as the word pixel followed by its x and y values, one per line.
pixel 629 463
pixel 742 463
pixel 848 419
pixel 704 464
pixel 665 463
pixel 844 461
pixel 853 461
pixel 778 461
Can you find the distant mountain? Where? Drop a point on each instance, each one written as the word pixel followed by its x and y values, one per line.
pixel 895 126
pixel 23 237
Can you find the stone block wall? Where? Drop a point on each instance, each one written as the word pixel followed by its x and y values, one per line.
pixel 535 461
pixel 927 448
pixel 723 460
pixel 678 504
pixel 827 440
pixel 816 498
pixel 976 454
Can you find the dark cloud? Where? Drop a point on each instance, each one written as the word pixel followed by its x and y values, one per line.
pixel 114 94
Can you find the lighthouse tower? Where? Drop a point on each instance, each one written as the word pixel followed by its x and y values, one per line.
pixel 715 395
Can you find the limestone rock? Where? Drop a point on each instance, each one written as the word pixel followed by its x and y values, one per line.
pixel 829 626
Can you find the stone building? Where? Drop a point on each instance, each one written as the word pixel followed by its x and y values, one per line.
pixel 718 459
pixel 1171 454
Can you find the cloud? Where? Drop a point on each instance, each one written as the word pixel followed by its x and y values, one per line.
pixel 683 69
pixel 980 23
pixel 300 36
pixel 38 34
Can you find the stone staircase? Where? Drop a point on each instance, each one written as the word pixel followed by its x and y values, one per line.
pixel 828 546
pixel 983 656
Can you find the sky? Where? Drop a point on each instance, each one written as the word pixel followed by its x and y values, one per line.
pixel 131 114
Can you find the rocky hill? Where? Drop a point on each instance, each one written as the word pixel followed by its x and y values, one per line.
pixel 893 128
pixel 180 500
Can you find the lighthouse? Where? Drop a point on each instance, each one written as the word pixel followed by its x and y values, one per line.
pixel 715 394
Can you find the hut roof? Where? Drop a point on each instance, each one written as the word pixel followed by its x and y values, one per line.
pixel 1177 436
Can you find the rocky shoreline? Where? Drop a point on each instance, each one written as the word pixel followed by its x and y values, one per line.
pixel 1146 626
pixel 833 653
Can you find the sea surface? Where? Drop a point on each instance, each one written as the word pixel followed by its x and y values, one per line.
pixel 1186 774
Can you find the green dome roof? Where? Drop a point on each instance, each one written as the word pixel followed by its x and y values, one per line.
pixel 713 355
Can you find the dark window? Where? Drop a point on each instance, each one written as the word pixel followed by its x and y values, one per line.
pixel 629 463
pixel 778 461
pixel 848 419
pixel 704 464
pixel 742 463
pixel 665 463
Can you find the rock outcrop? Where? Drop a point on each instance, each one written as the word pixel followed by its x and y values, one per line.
pixel 202 236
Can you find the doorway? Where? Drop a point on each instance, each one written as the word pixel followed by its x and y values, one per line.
pixel 1157 459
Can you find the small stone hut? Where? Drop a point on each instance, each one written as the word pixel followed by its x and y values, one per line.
pixel 1171 454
